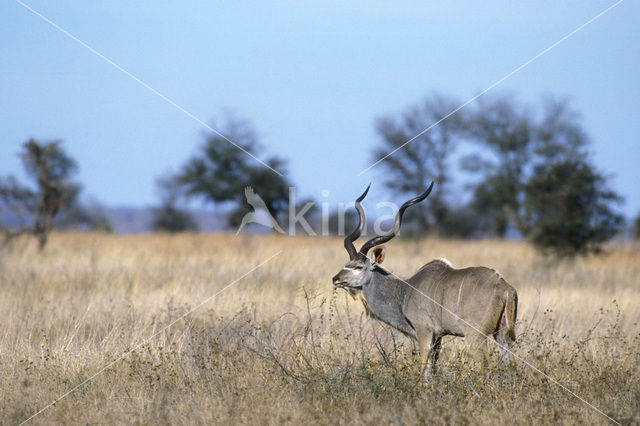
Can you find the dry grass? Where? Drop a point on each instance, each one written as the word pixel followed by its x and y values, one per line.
pixel 280 346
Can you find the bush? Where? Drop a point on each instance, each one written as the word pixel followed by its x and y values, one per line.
pixel 568 209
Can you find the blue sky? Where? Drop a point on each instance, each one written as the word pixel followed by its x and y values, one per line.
pixel 311 77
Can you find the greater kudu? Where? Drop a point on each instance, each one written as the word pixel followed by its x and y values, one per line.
pixel 436 301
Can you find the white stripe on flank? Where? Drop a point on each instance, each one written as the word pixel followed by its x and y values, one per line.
pixel 460 294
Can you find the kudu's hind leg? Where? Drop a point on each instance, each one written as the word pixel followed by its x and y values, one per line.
pixel 503 345
pixel 504 335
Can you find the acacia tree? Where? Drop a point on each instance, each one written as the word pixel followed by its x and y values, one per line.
pixel 220 171
pixel 423 159
pixel 52 169
pixel 513 145
pixel 537 178
pixel 504 131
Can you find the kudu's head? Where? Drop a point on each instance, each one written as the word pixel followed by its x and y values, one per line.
pixel 358 271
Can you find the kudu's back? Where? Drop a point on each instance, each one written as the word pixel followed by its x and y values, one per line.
pixel 462 302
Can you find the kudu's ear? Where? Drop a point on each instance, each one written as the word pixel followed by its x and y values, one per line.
pixel 378 254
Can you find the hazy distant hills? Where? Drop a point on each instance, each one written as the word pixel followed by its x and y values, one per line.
pixel 134 220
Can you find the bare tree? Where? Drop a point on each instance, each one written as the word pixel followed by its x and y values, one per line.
pixel 424 158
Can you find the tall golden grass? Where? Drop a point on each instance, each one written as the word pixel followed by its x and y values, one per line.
pixel 281 346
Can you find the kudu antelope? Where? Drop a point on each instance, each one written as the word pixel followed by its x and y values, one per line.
pixel 436 301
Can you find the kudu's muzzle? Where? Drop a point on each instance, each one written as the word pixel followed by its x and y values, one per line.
pixel 336 280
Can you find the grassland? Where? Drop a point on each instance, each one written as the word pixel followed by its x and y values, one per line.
pixel 281 346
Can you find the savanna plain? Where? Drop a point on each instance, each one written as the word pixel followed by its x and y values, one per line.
pixel 219 329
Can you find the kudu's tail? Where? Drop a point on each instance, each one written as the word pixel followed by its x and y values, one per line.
pixel 509 314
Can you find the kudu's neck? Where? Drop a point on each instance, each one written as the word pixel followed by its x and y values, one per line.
pixel 384 300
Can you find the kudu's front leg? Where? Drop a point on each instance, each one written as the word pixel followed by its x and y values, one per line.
pixel 429 345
